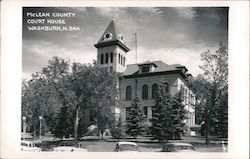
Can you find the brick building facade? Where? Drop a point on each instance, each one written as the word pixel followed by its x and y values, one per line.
pixel 144 78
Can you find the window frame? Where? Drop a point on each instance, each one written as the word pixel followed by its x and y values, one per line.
pixel 102 59
pixel 106 58
pixel 154 90
pixel 128 93
pixel 147 69
pixel 145 91
pixel 111 57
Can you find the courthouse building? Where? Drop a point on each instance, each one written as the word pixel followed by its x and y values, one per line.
pixel 144 78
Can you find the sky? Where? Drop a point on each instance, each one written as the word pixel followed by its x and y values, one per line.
pixel 173 35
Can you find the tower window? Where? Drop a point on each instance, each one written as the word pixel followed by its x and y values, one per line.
pixel 128 93
pixel 119 59
pixel 124 61
pixel 107 58
pixel 102 58
pixel 145 91
pixel 111 57
pixel 154 90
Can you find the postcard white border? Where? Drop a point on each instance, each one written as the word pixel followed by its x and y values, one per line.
pixel 11 51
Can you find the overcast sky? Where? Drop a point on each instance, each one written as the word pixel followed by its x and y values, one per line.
pixel 173 35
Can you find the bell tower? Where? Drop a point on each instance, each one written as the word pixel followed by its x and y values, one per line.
pixel 111 49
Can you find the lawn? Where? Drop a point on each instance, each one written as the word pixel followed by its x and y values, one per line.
pixel 95 144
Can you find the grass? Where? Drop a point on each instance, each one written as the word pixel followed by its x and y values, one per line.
pixel 95 144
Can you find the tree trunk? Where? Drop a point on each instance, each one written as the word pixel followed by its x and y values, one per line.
pixel 102 134
pixel 76 124
pixel 208 121
pixel 34 131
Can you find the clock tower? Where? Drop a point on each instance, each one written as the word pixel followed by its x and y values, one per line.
pixel 111 49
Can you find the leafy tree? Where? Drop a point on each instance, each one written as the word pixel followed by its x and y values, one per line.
pixel 95 89
pixel 103 120
pixel 135 118
pixel 104 97
pixel 77 86
pixel 215 78
pixel 38 100
pixel 201 89
pixel 220 122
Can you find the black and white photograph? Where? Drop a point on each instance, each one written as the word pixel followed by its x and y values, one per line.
pixel 125 79
pixel 156 79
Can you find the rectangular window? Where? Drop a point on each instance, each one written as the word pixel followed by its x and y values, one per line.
pixel 119 59
pixel 107 58
pixel 102 58
pixel 111 57
pixel 153 111
pixel 145 69
pixel 145 111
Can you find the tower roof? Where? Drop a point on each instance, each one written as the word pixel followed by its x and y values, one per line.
pixel 111 36
pixel 112 28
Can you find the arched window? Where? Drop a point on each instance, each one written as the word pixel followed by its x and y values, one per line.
pixel 145 91
pixel 107 58
pixel 154 90
pixel 128 93
pixel 166 86
pixel 102 58
pixel 111 57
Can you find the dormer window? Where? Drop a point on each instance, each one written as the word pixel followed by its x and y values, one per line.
pixel 145 69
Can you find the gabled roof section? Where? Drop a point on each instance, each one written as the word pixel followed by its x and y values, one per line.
pixel 112 36
pixel 179 66
pixel 147 63
pixel 133 69
pixel 112 28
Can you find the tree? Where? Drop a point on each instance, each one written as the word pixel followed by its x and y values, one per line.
pixel 161 122
pixel 77 87
pixel 168 115
pixel 116 129
pixel 63 126
pixel 40 96
pixel 200 87
pixel 215 67
pixel 95 88
pixel 135 118
pixel 178 114
pixel 220 122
